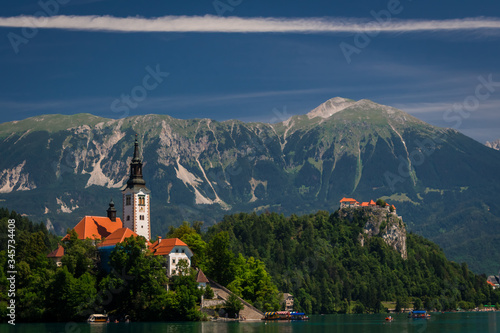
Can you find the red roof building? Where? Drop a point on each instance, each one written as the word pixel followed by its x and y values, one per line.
pixel 174 250
pixel 201 279
pixel 118 236
pixel 96 227
pixel 348 202
pixel 57 255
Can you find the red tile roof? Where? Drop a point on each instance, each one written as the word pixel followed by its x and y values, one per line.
pixel 200 277
pixel 348 200
pixel 393 207
pixel 96 227
pixel 165 246
pixel 118 236
pixel 57 253
pixel 364 204
pixel 372 203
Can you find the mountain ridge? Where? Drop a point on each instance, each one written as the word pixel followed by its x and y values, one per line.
pixel 202 169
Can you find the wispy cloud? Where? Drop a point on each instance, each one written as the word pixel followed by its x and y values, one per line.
pixel 216 24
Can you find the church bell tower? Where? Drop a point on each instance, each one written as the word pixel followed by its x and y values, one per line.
pixel 136 199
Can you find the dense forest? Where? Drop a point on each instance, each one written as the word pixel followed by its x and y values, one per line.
pixel 318 258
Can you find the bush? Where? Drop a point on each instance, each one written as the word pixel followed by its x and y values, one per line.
pixel 359 308
pixel 209 293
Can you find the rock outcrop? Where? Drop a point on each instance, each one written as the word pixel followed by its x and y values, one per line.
pixel 380 222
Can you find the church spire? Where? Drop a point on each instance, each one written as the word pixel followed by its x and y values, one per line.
pixel 135 180
pixel 136 158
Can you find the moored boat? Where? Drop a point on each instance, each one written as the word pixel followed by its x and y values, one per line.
pixel 419 314
pixel 285 315
pixel 98 318
pixel 298 316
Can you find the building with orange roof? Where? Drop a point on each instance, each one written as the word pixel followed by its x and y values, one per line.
pixel 98 227
pixel 118 236
pixel 173 249
pixel 110 242
pixel 57 255
pixel 348 202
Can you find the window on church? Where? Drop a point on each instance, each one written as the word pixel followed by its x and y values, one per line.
pixel 142 200
pixel 128 200
pixel 128 217
pixel 182 250
pixel 176 250
pixel 141 217
pixel 173 261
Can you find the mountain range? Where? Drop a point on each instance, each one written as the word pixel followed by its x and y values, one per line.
pixel 445 185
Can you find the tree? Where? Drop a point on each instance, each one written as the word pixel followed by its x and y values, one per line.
pixel 138 277
pixel 208 292
pixel 417 304
pixel 233 306
pixel 219 262
pixel 80 256
pixel 381 202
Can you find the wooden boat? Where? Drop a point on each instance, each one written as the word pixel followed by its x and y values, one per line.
pixel 390 318
pixel 98 318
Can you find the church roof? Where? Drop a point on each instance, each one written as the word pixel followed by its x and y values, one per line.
pixel 164 246
pixel 57 253
pixel 118 236
pixel 96 227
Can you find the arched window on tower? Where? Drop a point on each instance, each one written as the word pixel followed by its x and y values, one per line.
pixel 142 200
pixel 128 217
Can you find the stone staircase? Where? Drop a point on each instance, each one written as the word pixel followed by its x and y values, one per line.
pixel 249 312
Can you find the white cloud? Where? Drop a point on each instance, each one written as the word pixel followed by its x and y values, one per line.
pixel 214 24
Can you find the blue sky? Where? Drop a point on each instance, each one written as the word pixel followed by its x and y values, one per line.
pixel 252 60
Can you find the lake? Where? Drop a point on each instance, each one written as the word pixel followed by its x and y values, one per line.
pixel 438 323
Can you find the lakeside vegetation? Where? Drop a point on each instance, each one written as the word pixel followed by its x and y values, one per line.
pixel 317 258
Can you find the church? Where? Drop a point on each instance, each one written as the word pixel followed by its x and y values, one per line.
pixel 110 230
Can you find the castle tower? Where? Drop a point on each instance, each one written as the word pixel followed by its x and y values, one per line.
pixel 136 199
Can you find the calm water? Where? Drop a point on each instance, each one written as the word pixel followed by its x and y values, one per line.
pixel 439 323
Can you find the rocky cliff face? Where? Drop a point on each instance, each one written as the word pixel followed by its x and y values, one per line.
pixel 494 144
pixel 380 222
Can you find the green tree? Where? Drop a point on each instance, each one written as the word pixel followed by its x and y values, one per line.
pixel 233 306
pixel 220 259
pixel 208 292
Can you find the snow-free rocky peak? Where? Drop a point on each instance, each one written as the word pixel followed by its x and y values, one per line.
pixel 330 107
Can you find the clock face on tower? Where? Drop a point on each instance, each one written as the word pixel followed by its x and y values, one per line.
pixel 141 209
